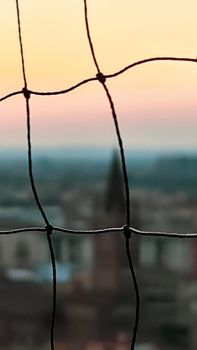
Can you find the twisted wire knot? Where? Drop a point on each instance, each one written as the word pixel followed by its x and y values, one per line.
pixel 49 229
pixel 100 76
pixel 26 93
pixel 127 231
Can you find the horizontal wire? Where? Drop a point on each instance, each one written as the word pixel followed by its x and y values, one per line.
pixel 133 230
pixel 22 230
pixel 90 232
pixel 163 234
pixel 107 76
pixel 65 91
pixel 151 59
pixel 48 228
pixel 10 95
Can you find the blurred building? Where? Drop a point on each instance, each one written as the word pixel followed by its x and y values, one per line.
pixel 97 299
pixel 106 305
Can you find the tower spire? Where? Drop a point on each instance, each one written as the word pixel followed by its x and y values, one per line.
pixel 115 197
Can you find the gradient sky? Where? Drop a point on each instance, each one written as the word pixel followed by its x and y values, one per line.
pixel 156 103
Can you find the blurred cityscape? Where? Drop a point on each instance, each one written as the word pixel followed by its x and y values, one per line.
pixel 83 189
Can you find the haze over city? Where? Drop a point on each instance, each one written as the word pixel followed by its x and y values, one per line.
pixel 79 180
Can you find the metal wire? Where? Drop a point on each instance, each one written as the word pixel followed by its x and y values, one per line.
pixel 137 294
pixel 49 229
pixel 102 80
pixel 106 76
pixel 110 230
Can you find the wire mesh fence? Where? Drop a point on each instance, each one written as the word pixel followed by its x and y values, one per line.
pixel 48 228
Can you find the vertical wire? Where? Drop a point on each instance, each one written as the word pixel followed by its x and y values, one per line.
pixel 137 294
pixel 30 164
pixel 21 44
pixel 27 97
pixel 89 37
pixel 122 155
pixel 48 227
pixel 102 79
pixel 54 290
pixel 126 231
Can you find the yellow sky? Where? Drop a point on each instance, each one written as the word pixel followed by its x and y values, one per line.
pixel 154 101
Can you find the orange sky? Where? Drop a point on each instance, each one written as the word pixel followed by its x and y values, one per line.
pixel 156 103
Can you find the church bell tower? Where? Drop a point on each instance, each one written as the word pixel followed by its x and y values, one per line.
pixel 109 249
